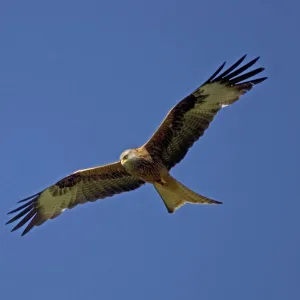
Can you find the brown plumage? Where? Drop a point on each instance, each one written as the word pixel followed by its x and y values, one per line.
pixel 185 124
pixel 78 188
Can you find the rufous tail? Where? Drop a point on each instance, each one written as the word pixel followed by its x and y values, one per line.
pixel 175 194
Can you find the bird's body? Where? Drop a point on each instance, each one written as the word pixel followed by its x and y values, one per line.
pixel 139 163
pixel 185 123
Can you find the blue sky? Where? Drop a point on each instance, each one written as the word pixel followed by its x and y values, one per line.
pixel 80 81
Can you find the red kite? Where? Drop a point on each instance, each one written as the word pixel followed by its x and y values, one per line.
pixel 185 123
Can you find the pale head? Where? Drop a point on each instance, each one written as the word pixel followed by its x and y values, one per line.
pixel 127 155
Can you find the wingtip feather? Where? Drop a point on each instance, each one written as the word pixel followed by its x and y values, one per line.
pixel 218 202
pixel 226 72
pixel 28 198
pixel 216 73
pixel 259 80
pixel 243 58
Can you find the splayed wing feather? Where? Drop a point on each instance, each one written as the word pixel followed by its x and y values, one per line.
pixel 78 188
pixel 217 72
pixel 230 69
pixel 187 121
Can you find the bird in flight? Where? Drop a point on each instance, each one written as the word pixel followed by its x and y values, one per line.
pixel 185 123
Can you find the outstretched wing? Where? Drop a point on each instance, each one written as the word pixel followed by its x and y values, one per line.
pixel 77 188
pixel 187 121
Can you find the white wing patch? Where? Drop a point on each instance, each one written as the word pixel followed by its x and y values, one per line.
pixel 219 95
pixel 50 206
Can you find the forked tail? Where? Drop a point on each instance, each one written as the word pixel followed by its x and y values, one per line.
pixel 175 194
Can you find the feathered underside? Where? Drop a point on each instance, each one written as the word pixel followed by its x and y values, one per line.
pixel 187 121
pixel 78 188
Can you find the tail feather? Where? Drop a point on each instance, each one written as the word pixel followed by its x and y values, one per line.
pixel 175 194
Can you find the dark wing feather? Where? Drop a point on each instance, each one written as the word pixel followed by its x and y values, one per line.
pixel 187 121
pixel 77 188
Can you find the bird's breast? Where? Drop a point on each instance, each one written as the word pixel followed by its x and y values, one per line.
pixel 149 171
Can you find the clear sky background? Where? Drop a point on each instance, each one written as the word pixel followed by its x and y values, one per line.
pixel 80 81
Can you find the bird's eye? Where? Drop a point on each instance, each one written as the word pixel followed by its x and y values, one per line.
pixel 125 156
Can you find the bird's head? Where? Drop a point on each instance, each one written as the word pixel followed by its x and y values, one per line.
pixel 127 155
